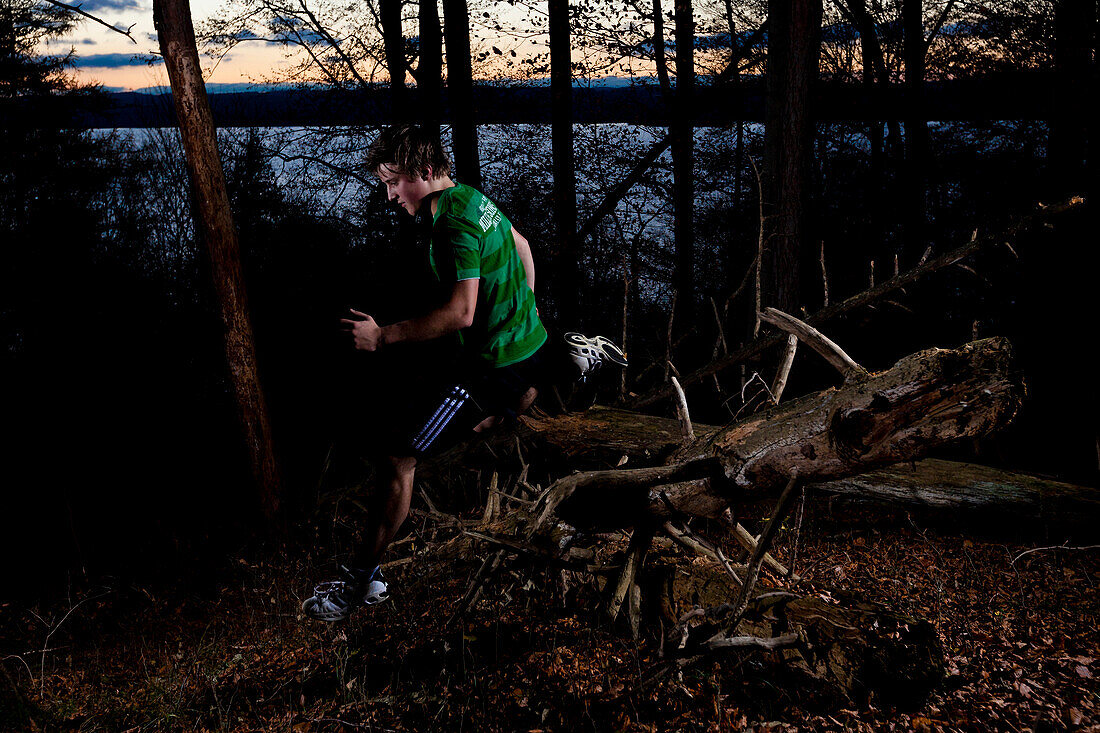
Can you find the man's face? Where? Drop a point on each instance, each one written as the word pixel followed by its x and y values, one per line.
pixel 408 191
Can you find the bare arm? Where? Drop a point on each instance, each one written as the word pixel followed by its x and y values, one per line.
pixel 455 314
pixel 523 249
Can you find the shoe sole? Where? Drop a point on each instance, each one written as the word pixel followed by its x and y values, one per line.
pixel 330 617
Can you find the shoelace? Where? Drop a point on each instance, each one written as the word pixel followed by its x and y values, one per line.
pixel 329 589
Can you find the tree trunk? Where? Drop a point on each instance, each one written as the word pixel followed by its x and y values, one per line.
pixel 681 130
pixel 460 90
pixel 1074 21
pixel 916 131
pixel 793 49
pixel 871 53
pixel 875 72
pixel 214 225
pixel 570 284
pixel 394 39
pixel 659 57
pixel 430 68
pixel 1092 213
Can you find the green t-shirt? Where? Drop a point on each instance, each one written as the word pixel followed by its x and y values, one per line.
pixel 471 238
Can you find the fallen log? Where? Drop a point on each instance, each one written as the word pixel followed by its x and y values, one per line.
pixel 926 400
pixel 975 491
pixel 609 434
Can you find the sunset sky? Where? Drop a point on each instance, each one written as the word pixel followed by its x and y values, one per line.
pixel 114 61
pixel 110 59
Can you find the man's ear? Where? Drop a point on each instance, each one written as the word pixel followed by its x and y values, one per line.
pixel 426 173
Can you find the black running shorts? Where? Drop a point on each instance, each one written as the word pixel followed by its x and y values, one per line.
pixel 444 414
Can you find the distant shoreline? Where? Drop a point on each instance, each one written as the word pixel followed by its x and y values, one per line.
pixel 1016 96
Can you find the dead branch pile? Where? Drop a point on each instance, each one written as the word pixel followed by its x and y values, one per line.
pixel 871 420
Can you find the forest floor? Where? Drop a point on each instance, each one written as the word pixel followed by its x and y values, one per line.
pixel 1020 636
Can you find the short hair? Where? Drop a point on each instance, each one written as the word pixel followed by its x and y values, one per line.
pixel 408 149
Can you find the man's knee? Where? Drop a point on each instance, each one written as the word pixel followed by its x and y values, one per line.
pixel 402 466
pixel 527 399
pixel 525 402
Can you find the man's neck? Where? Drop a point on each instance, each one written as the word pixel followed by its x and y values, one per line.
pixel 438 185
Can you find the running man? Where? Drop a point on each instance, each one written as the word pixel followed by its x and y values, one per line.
pixel 487 272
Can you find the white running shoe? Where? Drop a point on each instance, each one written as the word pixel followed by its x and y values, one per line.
pixel 377 589
pixel 335 600
pixel 589 354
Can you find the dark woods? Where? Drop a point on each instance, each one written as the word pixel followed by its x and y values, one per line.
pixel 123 453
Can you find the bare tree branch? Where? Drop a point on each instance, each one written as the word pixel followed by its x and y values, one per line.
pixel 77 9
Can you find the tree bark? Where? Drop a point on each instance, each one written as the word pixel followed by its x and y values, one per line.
pixel 793 50
pixel 394 40
pixel 874 73
pixel 460 91
pixel 429 76
pixel 681 132
pixel 215 227
pixel 916 130
pixel 565 183
pixel 1074 22
pixel 974 491
pixel 659 57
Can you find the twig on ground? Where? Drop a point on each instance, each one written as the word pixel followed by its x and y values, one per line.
pixel 24 662
pixel 698 544
pixel 46 644
pixel 492 500
pixel 473 591
pixel 762 547
pixel 777 642
pixel 1065 546
pixel 746 540
pixel 798 530
pixel 635 557
pixel 431 506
